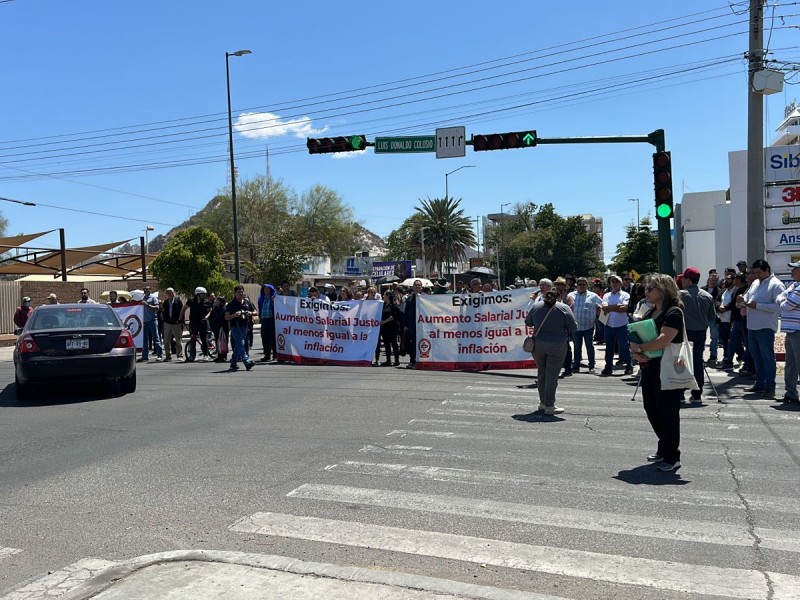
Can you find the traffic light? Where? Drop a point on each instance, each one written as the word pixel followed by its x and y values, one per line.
pixel 504 141
pixel 662 182
pixel 349 143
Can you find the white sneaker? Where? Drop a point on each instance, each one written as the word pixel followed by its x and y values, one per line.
pixel 553 410
pixel 592 370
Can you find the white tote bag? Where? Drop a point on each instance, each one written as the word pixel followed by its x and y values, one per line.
pixel 677 372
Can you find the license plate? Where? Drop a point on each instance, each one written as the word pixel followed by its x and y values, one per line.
pixel 77 344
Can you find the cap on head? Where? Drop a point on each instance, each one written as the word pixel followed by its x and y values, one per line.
pixel 741 263
pixel 52 296
pixel 692 273
pixel 795 265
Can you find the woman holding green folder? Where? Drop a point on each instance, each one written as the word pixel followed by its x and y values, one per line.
pixel 662 406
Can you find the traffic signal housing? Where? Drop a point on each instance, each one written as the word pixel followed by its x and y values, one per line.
pixel 348 143
pixel 504 141
pixel 662 183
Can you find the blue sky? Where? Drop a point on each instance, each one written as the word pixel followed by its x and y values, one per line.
pixel 90 86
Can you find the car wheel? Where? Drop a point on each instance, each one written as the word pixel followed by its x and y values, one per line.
pixel 128 384
pixel 23 390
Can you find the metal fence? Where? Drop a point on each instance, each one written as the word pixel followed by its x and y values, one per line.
pixel 9 300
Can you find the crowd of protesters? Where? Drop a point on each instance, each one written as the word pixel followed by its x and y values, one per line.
pixel 737 313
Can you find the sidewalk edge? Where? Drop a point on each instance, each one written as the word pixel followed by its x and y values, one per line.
pixel 107 578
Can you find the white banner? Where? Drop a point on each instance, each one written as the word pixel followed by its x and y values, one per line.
pixel 783 240
pixel 781 163
pixel 132 317
pixel 327 333
pixel 473 331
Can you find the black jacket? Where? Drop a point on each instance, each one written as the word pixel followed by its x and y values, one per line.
pixel 177 307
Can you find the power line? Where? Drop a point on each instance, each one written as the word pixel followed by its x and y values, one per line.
pixel 539 53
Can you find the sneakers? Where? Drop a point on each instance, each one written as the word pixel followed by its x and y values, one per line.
pixel 606 372
pixel 666 467
pixel 249 365
pixel 629 371
pixel 592 370
pixel 159 359
pixel 553 410
pixel 206 358
pixel 654 457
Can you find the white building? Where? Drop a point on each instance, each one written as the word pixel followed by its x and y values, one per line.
pixel 713 225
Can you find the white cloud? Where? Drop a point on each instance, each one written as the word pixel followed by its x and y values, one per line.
pixel 342 155
pixel 266 125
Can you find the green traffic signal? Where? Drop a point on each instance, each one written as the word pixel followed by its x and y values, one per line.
pixel 664 211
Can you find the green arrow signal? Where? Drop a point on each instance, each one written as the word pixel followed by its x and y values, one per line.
pixel 528 139
pixel 356 141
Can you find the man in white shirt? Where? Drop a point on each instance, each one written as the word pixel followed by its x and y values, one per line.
pixel 615 305
pixel 763 309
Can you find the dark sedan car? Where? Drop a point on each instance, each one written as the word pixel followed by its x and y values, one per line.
pixel 66 343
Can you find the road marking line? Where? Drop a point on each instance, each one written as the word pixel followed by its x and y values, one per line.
pixel 6 552
pixel 682 530
pixel 593 566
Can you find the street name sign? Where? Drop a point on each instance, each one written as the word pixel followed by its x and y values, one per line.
pixel 451 142
pixel 407 144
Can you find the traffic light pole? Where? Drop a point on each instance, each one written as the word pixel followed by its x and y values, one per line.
pixel 655 138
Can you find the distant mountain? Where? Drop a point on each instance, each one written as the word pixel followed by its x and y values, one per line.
pixel 369 242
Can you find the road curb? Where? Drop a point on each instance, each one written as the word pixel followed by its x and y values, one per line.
pixel 108 577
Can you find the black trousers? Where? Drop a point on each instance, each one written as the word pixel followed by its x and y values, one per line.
pixel 663 409
pixel 268 338
pixel 389 337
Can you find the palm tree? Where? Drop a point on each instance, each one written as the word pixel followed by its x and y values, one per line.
pixel 447 232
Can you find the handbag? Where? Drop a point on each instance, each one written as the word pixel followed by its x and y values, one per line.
pixel 223 343
pixel 529 345
pixel 677 372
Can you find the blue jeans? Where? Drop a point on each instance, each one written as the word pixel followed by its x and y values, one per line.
pixel 614 336
pixel 761 343
pixel 735 343
pixel 238 337
pixel 713 327
pixel 150 331
pixel 579 338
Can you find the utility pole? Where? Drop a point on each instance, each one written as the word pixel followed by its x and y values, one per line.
pixel 755 136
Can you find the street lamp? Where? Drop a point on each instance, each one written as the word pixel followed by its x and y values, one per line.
pixel 446 198
pixel 146 242
pixel 236 267
pixel 638 221
pixel 499 272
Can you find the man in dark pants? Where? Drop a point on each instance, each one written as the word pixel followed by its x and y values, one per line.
pixel 410 325
pixel 266 316
pixel 698 310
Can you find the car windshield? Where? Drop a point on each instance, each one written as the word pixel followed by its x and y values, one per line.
pixel 74 317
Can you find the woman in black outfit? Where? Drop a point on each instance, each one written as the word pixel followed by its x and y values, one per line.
pixel 662 406
pixel 390 323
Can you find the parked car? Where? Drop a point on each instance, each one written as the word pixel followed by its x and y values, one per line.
pixel 73 343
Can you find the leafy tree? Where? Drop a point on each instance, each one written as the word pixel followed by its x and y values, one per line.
pixel 280 257
pixel 192 258
pixel 326 223
pixel 3 226
pixel 447 231
pixel 537 242
pixel 639 251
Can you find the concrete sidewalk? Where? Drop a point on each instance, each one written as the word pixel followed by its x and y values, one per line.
pixel 214 575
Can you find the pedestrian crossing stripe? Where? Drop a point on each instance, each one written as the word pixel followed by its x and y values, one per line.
pixel 6 552
pixel 594 566
pixel 680 530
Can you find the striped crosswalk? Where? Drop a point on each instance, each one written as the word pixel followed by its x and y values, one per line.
pixel 6 552
pixel 475 477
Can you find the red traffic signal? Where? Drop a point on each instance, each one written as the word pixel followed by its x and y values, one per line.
pixel 350 143
pixel 504 141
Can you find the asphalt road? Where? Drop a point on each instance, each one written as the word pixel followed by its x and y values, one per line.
pixel 438 474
